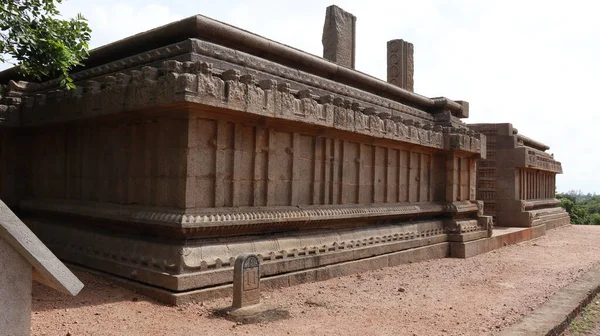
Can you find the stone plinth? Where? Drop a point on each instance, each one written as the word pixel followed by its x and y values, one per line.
pixel 206 142
pixel 517 180
pixel 339 36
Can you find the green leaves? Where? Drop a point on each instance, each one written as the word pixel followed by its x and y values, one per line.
pixel 585 211
pixel 39 43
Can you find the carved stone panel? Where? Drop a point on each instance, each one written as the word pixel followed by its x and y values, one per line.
pixel 400 64
pixel 246 281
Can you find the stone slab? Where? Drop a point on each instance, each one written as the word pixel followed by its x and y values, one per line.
pixel 246 281
pixel 258 313
pixel 339 36
pixel 555 315
pixel 46 266
pixel 15 292
pixel 502 236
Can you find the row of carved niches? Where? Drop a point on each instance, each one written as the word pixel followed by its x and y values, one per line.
pixel 198 82
pixel 225 58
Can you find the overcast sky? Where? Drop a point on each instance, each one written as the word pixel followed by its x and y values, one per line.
pixel 531 63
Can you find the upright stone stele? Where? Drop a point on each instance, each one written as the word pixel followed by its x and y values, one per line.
pixel 400 64
pixel 23 257
pixel 339 36
pixel 246 281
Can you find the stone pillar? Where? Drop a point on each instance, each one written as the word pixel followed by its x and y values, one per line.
pixel 400 64
pixel 15 292
pixel 339 36
pixel 452 178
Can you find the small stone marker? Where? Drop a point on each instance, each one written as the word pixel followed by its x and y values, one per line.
pixel 246 281
pixel 246 307
pixel 339 36
pixel 24 257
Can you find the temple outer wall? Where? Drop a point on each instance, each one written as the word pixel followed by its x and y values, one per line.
pixel 162 171
pixel 517 180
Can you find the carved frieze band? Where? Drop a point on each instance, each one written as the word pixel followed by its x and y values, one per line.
pixel 265 69
pixel 543 161
pixel 241 216
pixel 198 82
pixel 208 256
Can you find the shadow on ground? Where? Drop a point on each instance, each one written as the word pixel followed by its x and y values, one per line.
pixel 96 292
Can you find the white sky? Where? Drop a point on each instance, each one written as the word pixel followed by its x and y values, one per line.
pixel 528 62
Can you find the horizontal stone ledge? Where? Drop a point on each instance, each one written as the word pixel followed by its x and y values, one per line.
pixel 220 217
pixel 533 204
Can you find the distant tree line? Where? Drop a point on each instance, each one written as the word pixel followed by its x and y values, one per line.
pixel 583 208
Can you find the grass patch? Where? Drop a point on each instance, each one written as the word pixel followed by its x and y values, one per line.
pixel 588 321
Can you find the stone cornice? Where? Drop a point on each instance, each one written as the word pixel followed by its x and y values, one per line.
pixel 200 83
pixel 535 159
pixel 219 33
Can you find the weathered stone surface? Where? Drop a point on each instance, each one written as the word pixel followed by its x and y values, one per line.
pixel 400 64
pixel 246 281
pixel 239 145
pixel 15 292
pixel 259 313
pixel 339 36
pixel 46 267
pixel 517 180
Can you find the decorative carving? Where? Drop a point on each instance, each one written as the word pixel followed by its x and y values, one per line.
pixel 400 66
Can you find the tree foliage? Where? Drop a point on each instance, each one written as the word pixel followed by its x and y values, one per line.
pixel 33 37
pixel 583 209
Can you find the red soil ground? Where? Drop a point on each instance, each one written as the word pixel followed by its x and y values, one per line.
pixel 476 296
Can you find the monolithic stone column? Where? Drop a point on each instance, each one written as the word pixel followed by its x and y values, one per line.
pixel 339 36
pixel 400 64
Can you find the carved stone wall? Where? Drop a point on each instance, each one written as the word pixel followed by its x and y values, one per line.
pixel 517 182
pixel 138 162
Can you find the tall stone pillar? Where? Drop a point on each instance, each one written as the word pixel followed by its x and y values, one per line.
pixel 400 64
pixel 339 36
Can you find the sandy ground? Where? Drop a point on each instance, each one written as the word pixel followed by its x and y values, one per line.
pixel 476 296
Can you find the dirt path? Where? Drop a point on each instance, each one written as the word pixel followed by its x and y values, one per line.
pixel 477 296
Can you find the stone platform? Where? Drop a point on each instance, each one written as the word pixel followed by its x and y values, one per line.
pixel 366 258
pixel 502 236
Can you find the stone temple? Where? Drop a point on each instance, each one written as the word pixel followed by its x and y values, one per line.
pixel 190 144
